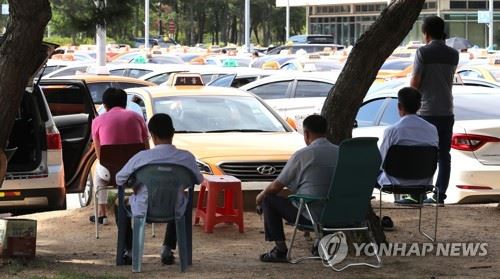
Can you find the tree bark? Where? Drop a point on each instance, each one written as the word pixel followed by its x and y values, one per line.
pixel 21 52
pixel 369 53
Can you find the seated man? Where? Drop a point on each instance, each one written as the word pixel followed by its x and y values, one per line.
pixel 309 171
pixel 409 130
pixel 116 126
pixel 162 132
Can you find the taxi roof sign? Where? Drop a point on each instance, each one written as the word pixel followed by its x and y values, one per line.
pixel 185 79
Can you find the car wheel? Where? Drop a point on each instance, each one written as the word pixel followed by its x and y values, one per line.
pixel 85 197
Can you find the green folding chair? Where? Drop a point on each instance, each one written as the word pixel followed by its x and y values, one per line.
pixel 164 182
pixel 346 206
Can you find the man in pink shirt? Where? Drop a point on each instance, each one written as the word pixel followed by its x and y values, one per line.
pixel 116 126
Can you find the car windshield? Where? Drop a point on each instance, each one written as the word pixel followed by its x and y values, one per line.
pixel 205 114
pixel 396 65
pixel 476 106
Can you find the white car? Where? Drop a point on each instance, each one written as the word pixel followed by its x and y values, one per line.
pixel 475 152
pixel 294 95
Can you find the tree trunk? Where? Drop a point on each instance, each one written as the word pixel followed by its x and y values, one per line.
pixel 360 70
pixel 21 52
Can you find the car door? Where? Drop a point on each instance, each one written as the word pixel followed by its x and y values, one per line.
pixel 369 118
pixel 275 94
pixel 73 111
pixel 308 98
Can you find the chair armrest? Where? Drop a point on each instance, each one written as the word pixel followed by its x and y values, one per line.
pixel 306 198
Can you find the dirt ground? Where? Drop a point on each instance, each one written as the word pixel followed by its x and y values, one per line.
pixel 67 248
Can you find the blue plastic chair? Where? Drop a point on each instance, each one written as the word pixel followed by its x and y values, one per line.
pixel 164 182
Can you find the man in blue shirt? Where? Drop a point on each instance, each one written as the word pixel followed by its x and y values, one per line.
pixel 409 130
pixel 162 132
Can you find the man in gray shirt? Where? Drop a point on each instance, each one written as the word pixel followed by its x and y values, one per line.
pixel 309 171
pixel 433 71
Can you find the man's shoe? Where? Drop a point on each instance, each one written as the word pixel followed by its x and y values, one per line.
pixel 433 201
pixel 387 223
pixel 127 258
pixel 103 220
pixel 274 256
pixel 408 200
pixel 167 257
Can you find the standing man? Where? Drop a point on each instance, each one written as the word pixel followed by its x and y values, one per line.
pixel 309 171
pixel 433 72
pixel 116 126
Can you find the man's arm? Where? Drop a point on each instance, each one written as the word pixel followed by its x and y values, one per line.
pixel 418 66
pixel 416 81
pixel 97 147
pixel 273 188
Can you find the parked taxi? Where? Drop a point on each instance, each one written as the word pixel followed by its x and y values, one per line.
pixel 228 130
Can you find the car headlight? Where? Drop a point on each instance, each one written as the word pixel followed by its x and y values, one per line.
pixel 203 167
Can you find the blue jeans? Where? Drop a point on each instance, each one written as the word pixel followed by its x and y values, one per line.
pixel 444 126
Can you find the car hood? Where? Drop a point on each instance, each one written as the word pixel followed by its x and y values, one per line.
pixel 210 145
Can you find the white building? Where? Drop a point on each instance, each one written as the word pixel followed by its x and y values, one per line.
pixel 348 19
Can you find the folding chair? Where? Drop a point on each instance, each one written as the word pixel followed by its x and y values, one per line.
pixel 411 162
pixel 164 183
pixel 346 206
pixel 113 157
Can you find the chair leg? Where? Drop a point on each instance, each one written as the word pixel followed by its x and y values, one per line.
pixel 153 234
pixel 138 243
pixel 96 206
pixel 182 242
pixel 376 254
pixel 292 241
pixel 188 215
pixel 433 239
pixel 120 246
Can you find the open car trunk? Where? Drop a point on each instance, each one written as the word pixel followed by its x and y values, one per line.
pixel 28 136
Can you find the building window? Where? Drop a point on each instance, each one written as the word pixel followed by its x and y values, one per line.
pixel 477 5
pixel 458 4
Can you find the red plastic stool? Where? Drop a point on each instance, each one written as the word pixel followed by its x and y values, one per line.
pixel 211 214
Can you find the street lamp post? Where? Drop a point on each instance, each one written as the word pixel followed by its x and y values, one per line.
pixel 247 25
pixel 287 19
pixel 146 24
pixel 490 25
pixel 100 38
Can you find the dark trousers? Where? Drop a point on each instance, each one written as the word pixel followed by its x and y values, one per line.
pixel 170 238
pixel 444 126
pixel 276 208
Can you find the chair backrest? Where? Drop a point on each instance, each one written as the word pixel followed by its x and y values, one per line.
pixel 352 184
pixel 411 162
pixel 114 156
pixel 164 183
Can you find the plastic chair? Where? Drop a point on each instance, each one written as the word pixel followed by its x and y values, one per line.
pixel 113 157
pixel 346 206
pixel 400 162
pixel 164 183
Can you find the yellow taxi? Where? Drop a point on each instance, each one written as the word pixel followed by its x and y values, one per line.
pixel 229 131
pixel 489 72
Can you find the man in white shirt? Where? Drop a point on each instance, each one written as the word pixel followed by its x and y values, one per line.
pixel 411 130
pixel 162 132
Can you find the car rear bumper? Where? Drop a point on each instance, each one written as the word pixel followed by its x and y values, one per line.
pixel 469 173
pixel 31 198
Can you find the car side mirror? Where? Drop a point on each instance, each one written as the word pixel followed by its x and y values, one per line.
pixel 355 125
